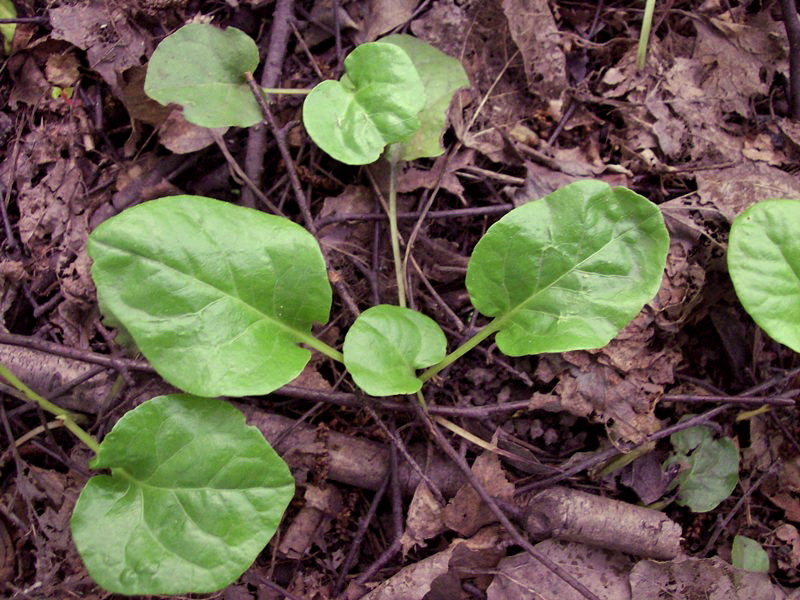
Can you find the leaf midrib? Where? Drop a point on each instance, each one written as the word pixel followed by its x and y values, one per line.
pixel 500 321
pixel 301 336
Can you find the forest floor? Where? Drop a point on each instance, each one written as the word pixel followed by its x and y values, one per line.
pixel 555 96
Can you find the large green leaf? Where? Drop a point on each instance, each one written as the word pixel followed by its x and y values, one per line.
pixel 570 270
pixel 442 76
pixel 711 468
pixel 194 496
pixel 201 68
pixel 216 296
pixel 764 264
pixel 387 344
pixel 375 104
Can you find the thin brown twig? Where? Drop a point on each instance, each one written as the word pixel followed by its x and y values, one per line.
pixel 792 25
pixel 273 64
pixel 401 447
pixel 363 524
pixel 479 211
pixel 119 364
pixel 239 172
pixel 297 188
pixel 724 522
pixel 785 400
pixel 613 451
pixel 492 504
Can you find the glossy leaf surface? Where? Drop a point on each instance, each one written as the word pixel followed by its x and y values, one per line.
pixel 764 264
pixel 442 76
pixel 387 344
pixel 216 296
pixel 710 468
pixel 201 68
pixel 748 555
pixel 374 104
pixel 570 270
pixel 194 496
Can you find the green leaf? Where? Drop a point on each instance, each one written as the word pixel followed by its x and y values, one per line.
pixel 748 555
pixel 442 76
pixel 194 496
pixel 764 264
pixel 387 344
pixel 216 296
pixel 711 468
pixel 201 68
pixel 7 11
pixel 375 104
pixel 570 270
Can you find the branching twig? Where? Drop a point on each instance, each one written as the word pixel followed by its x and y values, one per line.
pixel 257 136
pixel 297 188
pixel 792 24
pixel 492 504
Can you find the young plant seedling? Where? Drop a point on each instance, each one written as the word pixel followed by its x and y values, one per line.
pixel 764 265
pixel 392 98
pixel 710 468
pixel 194 493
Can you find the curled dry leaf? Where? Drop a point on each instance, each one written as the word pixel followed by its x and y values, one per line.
pixel 466 513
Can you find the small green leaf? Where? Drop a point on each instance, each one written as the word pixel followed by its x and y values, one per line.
pixel 7 11
pixel 764 264
pixel 748 555
pixel 201 68
pixel 442 76
pixel 216 296
pixel 375 104
pixel 570 270
pixel 711 468
pixel 387 344
pixel 687 440
pixel 193 498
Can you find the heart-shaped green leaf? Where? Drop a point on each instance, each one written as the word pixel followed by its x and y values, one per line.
pixel 387 344
pixel 216 296
pixel 201 68
pixel 442 76
pixel 375 104
pixel 570 270
pixel 711 468
pixel 194 496
pixel 764 264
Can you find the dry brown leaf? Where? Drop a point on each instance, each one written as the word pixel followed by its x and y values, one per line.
pixel 466 512
pixel 62 69
pixel 790 557
pixel 382 16
pixel 438 577
pixel 424 520
pixel 535 33
pixel 709 579
pixel 521 577
pixel 177 135
pixel 103 29
pixel 733 189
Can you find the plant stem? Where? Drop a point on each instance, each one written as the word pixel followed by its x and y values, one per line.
pixel 67 417
pixel 286 91
pixel 392 157
pixel 319 345
pixel 421 400
pixel 644 35
pixel 476 339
